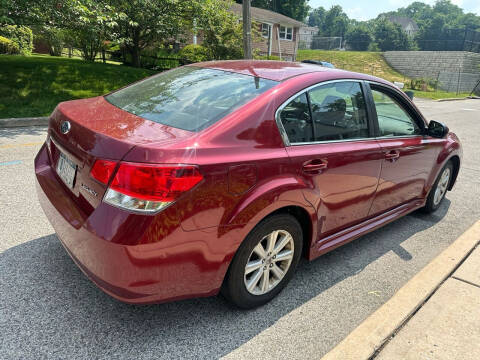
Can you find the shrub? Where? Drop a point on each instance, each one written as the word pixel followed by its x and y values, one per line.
pixel 194 53
pixel 21 35
pixel 7 46
pixel 423 84
pixel 373 47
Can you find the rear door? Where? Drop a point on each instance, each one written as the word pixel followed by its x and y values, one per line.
pixel 331 143
pixel 408 154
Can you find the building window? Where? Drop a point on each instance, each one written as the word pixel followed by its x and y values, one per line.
pixel 265 30
pixel 286 33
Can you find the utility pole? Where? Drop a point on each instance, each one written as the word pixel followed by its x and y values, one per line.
pixel 247 28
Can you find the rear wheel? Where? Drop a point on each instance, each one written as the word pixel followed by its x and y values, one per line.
pixel 265 262
pixel 439 189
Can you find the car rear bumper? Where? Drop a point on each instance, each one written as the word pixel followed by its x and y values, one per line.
pixel 134 258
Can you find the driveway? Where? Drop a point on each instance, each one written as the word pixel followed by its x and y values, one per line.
pixel 48 309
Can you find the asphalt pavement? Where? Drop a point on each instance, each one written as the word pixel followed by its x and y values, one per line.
pixel 48 309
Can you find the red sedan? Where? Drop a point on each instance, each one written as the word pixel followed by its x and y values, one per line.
pixel 219 176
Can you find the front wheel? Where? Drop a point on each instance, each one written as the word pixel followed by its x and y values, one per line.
pixel 439 189
pixel 265 262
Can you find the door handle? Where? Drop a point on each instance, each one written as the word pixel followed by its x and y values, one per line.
pixel 313 166
pixel 392 155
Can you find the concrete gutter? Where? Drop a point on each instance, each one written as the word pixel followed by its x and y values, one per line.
pixel 369 337
pixel 23 122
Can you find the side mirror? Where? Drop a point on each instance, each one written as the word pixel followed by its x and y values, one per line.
pixel 436 129
pixel 410 94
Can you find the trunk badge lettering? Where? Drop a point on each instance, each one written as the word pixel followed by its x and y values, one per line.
pixel 90 191
pixel 65 127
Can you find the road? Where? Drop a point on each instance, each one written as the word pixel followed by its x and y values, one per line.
pixel 49 309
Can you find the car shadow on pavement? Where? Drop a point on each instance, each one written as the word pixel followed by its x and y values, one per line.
pixel 48 308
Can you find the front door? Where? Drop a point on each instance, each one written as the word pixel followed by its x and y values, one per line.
pixel 331 145
pixel 408 155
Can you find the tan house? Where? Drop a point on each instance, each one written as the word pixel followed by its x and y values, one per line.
pixel 280 34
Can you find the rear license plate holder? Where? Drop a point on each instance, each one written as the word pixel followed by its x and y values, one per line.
pixel 66 170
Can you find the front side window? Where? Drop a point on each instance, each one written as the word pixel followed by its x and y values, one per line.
pixel 190 98
pixel 286 33
pixel 295 118
pixel 339 111
pixel 393 119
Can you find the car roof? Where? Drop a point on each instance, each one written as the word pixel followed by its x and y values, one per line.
pixel 279 70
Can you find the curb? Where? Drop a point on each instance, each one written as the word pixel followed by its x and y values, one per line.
pixel 452 99
pixel 371 335
pixel 23 122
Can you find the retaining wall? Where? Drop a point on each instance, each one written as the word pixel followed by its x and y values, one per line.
pixel 454 70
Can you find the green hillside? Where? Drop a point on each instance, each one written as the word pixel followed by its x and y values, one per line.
pixel 366 62
pixel 34 85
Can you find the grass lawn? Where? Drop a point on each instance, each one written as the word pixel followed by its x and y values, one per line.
pixel 34 85
pixel 438 95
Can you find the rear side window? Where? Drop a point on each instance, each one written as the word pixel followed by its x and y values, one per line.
pixel 339 111
pixel 189 98
pixel 295 118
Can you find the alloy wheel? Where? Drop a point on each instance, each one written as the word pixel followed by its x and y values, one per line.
pixel 269 262
pixel 442 186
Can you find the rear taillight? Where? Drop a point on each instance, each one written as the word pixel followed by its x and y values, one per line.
pixel 145 187
pixel 154 182
pixel 103 170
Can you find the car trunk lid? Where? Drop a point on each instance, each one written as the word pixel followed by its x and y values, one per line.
pixel 99 130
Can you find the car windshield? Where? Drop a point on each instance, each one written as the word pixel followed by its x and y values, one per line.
pixel 189 98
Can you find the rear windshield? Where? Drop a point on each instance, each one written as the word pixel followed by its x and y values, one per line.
pixel 189 98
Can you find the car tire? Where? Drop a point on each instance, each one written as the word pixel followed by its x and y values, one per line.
pixel 279 237
pixel 439 189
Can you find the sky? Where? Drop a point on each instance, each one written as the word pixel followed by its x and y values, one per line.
pixel 368 9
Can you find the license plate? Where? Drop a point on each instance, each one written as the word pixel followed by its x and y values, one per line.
pixel 66 169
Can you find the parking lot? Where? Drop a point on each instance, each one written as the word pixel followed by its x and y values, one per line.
pixel 49 309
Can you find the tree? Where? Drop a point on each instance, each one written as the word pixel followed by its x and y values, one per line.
pixel 448 9
pixel 431 33
pixel 359 38
pixel 317 17
pixel 4 16
pixel 143 23
pixel 296 9
pixel 135 24
pixel 222 32
pixel 390 36
pixel 88 23
pixel 335 22
pixel 470 21
pixel 417 11
pixel 94 24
